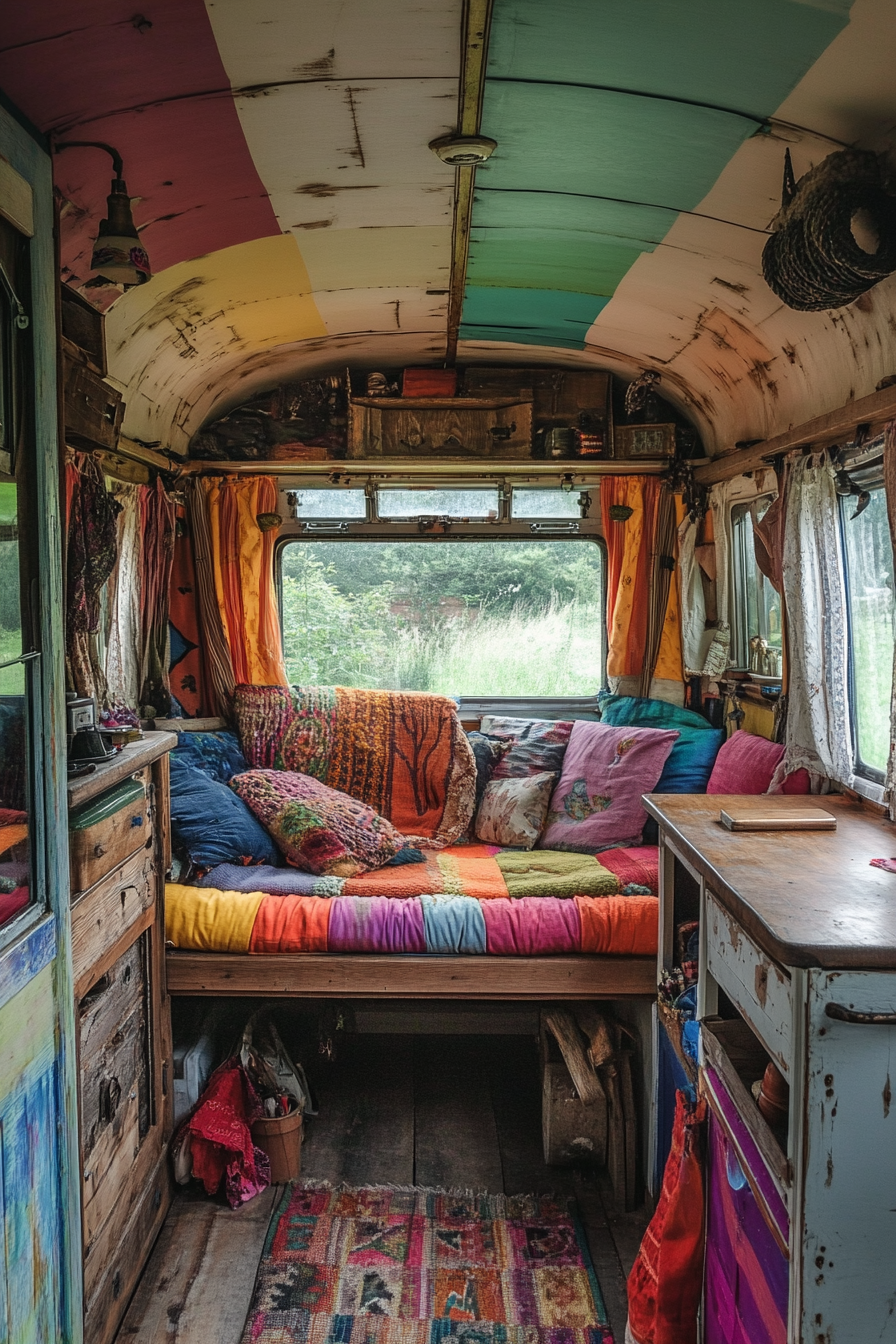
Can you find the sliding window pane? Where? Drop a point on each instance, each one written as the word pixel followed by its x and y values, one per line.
pixel 437 503
pixel 872 624
pixel 546 503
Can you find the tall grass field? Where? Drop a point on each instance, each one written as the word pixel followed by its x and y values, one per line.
pixel 540 636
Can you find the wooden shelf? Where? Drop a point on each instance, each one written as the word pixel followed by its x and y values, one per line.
pixel 443 403
pixel 120 766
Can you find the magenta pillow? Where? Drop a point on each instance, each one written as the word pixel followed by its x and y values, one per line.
pixel 319 829
pixel 606 769
pixel 746 763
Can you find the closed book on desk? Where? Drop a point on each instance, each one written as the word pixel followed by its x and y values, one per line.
pixel 771 818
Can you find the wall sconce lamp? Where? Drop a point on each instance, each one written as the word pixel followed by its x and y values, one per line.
pixel 119 257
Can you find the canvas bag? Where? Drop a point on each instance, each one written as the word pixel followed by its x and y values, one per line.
pixel 665 1284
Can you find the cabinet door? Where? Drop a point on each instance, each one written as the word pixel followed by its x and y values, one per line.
pixel 847 1191
pixel 746 1273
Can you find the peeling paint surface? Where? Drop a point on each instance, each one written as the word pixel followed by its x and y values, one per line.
pixel 278 159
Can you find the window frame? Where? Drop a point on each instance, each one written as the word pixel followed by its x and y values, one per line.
pixel 551 707
pixel 861 768
pixel 739 657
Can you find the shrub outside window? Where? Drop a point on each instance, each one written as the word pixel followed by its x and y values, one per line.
pixel 872 629
pixel 469 617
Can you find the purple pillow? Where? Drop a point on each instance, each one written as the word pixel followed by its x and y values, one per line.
pixel 319 829
pixel 537 745
pixel 597 803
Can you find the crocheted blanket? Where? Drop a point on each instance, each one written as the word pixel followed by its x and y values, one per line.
pixel 402 752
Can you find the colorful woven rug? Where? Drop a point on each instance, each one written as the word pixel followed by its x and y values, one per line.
pixel 399 1266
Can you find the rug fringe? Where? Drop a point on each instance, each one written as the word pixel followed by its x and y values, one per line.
pixel 448 1192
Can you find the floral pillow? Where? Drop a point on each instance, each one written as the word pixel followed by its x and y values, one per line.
pixel 512 811
pixel 319 829
pixel 536 745
pixel 597 803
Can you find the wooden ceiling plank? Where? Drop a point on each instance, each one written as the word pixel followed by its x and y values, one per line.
pixel 474 60
pixel 837 426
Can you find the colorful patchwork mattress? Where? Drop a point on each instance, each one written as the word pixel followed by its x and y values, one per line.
pixel 464 900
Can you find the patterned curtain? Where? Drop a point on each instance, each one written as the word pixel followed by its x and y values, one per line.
pixel 123 640
pixel 156 557
pixel 218 679
pixel 643 624
pixel 817 736
pixel 242 561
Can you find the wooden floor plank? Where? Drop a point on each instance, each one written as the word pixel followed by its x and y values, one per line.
pixel 456 1142
pixel 364 1133
pixel 394 1110
pixel 198 1283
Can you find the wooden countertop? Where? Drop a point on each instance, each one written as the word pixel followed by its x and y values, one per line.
pixel 809 898
pixel 120 766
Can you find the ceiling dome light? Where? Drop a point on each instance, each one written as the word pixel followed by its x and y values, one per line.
pixel 460 151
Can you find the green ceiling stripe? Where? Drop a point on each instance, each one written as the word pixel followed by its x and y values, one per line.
pixel 547 247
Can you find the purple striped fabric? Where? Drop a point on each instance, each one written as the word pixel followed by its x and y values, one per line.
pixel 376 924
pixel 531 926
pixel 765 1182
pixel 746 1273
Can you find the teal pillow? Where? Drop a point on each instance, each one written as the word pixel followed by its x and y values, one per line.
pixel 691 759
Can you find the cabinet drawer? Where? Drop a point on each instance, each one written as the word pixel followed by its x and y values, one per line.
pixel 758 987
pixel 119 904
pixel 108 830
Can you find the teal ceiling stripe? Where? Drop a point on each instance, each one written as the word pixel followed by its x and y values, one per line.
pixel 531 316
pixel 610 119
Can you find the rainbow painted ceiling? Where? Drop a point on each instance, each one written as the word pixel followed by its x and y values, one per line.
pixel 297 221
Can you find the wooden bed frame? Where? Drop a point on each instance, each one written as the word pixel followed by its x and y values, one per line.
pixel 345 975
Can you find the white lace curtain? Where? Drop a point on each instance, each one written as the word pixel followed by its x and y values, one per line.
pixel 817 736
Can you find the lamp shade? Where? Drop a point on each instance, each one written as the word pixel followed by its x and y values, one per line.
pixel 118 254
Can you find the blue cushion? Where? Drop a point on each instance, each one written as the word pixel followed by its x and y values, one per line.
pixel 211 824
pixel 218 754
pixel 690 761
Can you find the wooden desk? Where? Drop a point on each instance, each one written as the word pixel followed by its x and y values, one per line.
pixel 809 898
pixel 798 956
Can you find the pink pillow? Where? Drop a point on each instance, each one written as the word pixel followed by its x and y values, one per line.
pixel 746 763
pixel 606 769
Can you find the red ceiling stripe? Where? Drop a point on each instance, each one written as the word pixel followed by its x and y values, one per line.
pixel 161 96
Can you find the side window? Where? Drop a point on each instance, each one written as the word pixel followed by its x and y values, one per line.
pixel 757 627
pixel 18 660
pixel 872 628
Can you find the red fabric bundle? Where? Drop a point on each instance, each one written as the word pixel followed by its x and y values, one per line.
pixel 667 1277
pixel 221 1138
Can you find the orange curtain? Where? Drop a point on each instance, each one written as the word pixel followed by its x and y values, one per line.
pixel 631 536
pixel 243 565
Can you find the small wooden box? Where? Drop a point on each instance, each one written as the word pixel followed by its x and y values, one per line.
pixel 649 442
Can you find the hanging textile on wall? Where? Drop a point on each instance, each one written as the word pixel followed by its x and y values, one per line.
pixel 91 538
pixel 157 553
pixel 243 555
pixel 890 489
pixel 186 673
pixel 643 622
pixel 722 497
pixel 817 735
pixel 123 635
pixel 219 680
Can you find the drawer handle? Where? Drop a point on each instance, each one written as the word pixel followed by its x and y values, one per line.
pixel 98 851
pixel 840 1013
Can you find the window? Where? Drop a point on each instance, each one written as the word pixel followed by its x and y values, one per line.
pixel 19 664
pixel 872 629
pixel 757 626
pixel 460 617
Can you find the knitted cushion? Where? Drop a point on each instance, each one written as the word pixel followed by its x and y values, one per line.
pixel 319 829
